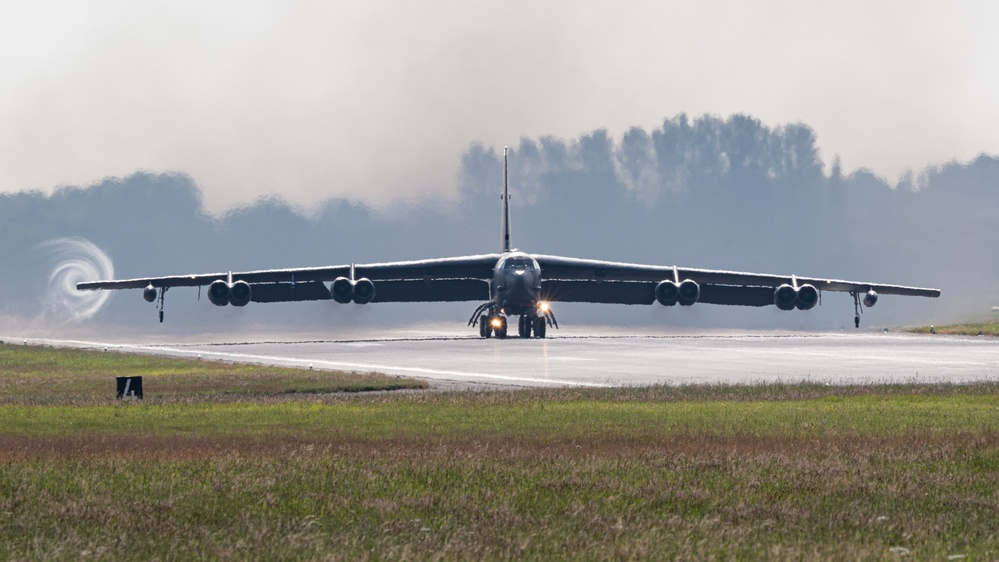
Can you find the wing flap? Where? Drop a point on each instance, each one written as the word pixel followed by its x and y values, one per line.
pixel 443 290
pixel 289 292
pixel 609 292
pixel 735 295
pixel 639 292
pixel 448 290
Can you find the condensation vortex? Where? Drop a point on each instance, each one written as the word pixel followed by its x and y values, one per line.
pixel 75 260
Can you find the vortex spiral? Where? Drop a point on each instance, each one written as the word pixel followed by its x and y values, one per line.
pixel 75 260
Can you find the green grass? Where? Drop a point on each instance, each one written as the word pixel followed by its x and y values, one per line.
pixel 450 416
pixel 795 472
pixel 45 375
pixel 968 329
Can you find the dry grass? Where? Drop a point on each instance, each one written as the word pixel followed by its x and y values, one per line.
pixel 969 329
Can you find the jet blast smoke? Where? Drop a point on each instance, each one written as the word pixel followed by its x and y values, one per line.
pixel 75 260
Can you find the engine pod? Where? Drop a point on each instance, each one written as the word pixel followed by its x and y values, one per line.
pixel 871 298
pixel 149 293
pixel 218 293
pixel 342 290
pixel 785 297
pixel 689 292
pixel 240 293
pixel 807 298
pixel 667 293
pixel 364 291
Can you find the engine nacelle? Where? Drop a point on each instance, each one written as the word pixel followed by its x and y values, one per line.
pixel 871 298
pixel 364 291
pixel 239 293
pixel 218 293
pixel 667 293
pixel 785 297
pixel 807 297
pixel 149 293
pixel 690 291
pixel 342 290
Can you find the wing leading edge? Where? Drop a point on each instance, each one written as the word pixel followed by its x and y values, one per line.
pixel 569 280
pixel 466 279
pixel 433 280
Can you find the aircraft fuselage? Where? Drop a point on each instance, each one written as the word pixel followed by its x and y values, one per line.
pixel 516 284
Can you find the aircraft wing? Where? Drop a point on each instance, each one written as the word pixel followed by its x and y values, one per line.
pixel 432 280
pixel 581 280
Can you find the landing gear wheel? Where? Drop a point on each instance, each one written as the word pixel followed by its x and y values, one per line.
pixel 856 321
pixel 524 326
pixel 501 329
pixel 485 330
pixel 540 327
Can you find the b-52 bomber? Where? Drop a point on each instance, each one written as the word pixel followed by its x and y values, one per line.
pixel 513 283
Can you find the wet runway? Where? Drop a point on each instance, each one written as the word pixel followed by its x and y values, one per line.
pixel 615 359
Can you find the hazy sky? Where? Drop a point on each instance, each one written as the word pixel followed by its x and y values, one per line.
pixel 378 99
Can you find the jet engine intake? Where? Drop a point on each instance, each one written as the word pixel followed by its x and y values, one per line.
pixel 807 297
pixel 218 293
pixel 149 293
pixel 239 293
pixel 364 291
pixel 667 293
pixel 342 290
pixel 871 298
pixel 689 292
pixel 785 297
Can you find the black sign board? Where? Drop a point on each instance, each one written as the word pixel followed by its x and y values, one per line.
pixel 129 387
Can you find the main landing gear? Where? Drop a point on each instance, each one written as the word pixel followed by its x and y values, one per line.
pixel 494 322
pixel 528 323
pixel 489 325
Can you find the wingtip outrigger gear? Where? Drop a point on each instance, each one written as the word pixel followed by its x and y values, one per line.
pixel 162 295
pixel 857 309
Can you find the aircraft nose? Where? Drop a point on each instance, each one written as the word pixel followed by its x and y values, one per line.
pixel 519 282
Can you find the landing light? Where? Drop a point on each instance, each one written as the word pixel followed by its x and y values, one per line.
pixel 496 322
pixel 543 306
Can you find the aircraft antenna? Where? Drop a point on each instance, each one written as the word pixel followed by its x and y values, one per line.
pixel 505 227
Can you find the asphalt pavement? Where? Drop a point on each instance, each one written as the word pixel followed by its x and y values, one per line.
pixel 616 358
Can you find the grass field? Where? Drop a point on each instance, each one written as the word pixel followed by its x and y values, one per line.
pixel 46 375
pixel 968 329
pixel 802 472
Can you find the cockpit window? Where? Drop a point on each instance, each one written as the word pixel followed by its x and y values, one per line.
pixel 520 263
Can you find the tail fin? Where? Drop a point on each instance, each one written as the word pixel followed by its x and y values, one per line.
pixel 505 226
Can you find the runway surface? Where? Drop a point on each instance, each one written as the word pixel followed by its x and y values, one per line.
pixel 615 359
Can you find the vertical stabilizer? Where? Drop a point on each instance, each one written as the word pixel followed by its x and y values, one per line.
pixel 505 227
